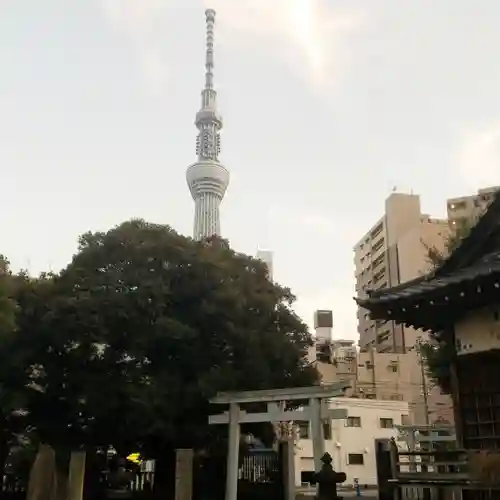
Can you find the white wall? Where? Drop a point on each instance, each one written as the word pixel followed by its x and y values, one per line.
pixel 346 440
pixel 478 331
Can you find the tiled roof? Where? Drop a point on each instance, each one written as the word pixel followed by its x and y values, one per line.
pixel 487 265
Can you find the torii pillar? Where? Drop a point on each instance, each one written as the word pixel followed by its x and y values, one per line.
pixel 315 413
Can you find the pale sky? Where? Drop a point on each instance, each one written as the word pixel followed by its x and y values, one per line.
pixel 328 105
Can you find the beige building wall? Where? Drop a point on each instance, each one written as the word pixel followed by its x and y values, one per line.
pixel 466 210
pixel 392 252
pixel 413 262
pixel 336 361
pixel 389 377
pixel 399 377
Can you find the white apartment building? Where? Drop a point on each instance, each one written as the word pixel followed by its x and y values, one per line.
pixel 351 442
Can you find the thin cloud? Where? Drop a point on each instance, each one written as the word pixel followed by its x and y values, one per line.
pixel 309 34
pixel 138 21
pixel 314 221
pixel 478 157
pixel 308 220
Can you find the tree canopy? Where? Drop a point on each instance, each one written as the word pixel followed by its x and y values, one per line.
pixel 12 377
pixel 127 344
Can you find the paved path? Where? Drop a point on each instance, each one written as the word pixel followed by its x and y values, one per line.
pixel 351 494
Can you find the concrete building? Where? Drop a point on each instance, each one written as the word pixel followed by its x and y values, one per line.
pixel 383 377
pixel 466 210
pixel 266 256
pixel 336 361
pixel 402 377
pixel 351 442
pixel 394 251
pixel 208 178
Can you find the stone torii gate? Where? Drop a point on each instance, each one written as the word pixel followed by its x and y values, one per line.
pixel 315 413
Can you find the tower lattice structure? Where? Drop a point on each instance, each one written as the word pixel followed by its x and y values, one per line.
pixel 208 178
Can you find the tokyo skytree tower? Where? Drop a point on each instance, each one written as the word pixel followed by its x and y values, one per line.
pixel 207 178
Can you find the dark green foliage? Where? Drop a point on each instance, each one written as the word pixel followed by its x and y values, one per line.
pixel 11 377
pixel 130 341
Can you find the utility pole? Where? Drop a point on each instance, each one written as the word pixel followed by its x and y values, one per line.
pixel 423 380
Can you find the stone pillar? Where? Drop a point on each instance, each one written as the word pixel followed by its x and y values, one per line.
pixel 289 468
pixel 76 475
pixel 318 440
pixel 184 474
pixel 233 452
pixel 41 480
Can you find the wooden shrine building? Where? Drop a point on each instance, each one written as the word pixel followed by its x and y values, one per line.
pixel 460 302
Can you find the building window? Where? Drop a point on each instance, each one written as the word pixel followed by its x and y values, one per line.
pixel 386 423
pixel 458 205
pixel 327 431
pixel 377 231
pixel 355 459
pixel 304 430
pixel 383 336
pixel 379 260
pixel 353 422
pixel 378 245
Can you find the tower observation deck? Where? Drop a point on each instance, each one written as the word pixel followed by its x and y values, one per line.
pixel 208 178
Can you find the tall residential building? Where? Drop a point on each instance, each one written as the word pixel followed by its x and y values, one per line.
pixel 394 251
pixel 466 210
pixel 208 178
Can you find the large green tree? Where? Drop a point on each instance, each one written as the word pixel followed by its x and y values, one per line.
pixel 135 335
pixel 12 375
pixel 438 354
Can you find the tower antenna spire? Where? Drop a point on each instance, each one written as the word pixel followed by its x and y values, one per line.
pixel 209 54
pixel 208 178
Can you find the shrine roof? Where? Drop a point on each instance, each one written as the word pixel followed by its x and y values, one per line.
pixel 487 265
